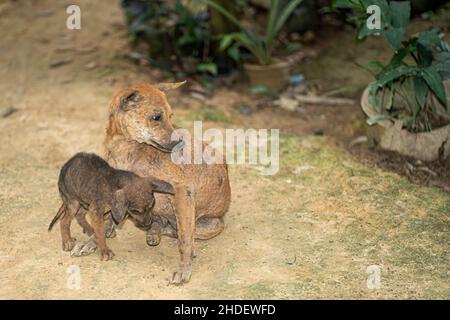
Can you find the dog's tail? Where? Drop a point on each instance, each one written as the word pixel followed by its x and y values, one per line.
pixel 60 212
pixel 162 186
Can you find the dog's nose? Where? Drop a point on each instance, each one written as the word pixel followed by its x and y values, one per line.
pixel 177 145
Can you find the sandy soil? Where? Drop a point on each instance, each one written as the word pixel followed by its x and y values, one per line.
pixel 310 231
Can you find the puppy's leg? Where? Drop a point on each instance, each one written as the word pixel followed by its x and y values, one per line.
pixel 68 242
pixel 87 229
pixel 159 228
pixel 110 231
pixel 185 214
pixel 96 215
pixel 81 219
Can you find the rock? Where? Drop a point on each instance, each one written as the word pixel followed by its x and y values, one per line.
pixel 59 63
pixel 90 65
pixel 287 103
pixel 318 132
pixel 197 96
pixel 6 112
pixel 245 110
pixel 358 140
pixel 300 169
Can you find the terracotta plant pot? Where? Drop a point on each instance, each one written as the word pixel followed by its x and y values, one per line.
pixel 275 76
pixel 389 135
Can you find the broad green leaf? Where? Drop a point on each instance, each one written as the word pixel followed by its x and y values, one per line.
pixel 399 12
pixel 397 58
pixel 224 12
pixel 208 67
pixel 425 43
pixel 373 97
pixel 442 56
pixel 261 90
pixel 434 81
pixel 443 68
pixel 373 65
pixel 272 30
pixel 421 91
pixel 226 41
pixel 391 75
pixel 429 38
pixel 424 55
pixel 234 52
pixel 273 12
pixel 394 36
pixel 376 119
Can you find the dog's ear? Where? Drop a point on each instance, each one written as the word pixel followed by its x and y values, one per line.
pixel 168 86
pixel 161 186
pixel 119 206
pixel 129 100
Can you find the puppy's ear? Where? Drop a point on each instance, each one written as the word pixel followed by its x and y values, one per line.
pixel 161 186
pixel 129 100
pixel 119 206
pixel 168 86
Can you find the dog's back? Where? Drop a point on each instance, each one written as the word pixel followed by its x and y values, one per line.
pixel 84 178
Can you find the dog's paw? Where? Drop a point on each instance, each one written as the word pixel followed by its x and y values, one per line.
pixel 68 244
pixel 106 254
pixel 153 239
pixel 110 230
pixel 182 276
pixel 83 248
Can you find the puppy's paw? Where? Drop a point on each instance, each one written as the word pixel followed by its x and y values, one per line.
pixel 106 254
pixel 68 244
pixel 153 239
pixel 83 248
pixel 110 230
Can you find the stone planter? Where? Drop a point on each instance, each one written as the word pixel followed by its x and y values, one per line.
pixel 389 135
pixel 275 76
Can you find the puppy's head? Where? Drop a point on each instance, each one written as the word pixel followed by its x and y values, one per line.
pixel 143 114
pixel 136 200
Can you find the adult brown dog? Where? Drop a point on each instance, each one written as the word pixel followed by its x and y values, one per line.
pixel 138 139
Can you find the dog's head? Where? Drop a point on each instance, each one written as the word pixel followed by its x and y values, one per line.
pixel 136 200
pixel 142 113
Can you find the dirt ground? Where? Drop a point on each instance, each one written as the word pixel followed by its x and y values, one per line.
pixel 311 231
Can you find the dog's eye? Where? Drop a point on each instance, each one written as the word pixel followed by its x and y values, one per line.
pixel 156 117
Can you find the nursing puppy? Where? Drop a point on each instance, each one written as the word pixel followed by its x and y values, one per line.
pixel 87 183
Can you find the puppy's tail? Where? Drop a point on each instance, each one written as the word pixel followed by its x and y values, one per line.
pixel 162 186
pixel 58 215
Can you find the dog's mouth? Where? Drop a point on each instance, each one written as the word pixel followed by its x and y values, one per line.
pixel 143 225
pixel 172 147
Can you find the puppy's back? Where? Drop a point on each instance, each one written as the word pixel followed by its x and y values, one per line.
pixel 83 176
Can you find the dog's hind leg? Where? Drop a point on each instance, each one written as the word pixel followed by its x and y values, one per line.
pixel 208 227
pixel 205 228
pixel 71 210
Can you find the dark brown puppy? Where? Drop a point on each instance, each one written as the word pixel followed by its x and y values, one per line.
pixel 87 182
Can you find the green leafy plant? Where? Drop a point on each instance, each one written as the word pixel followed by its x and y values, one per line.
pixel 260 45
pixel 172 31
pixel 410 86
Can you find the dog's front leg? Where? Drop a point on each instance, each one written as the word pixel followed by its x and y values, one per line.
pixel 96 215
pixel 185 214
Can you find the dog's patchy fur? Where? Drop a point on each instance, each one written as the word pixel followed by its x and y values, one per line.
pixel 138 139
pixel 87 183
